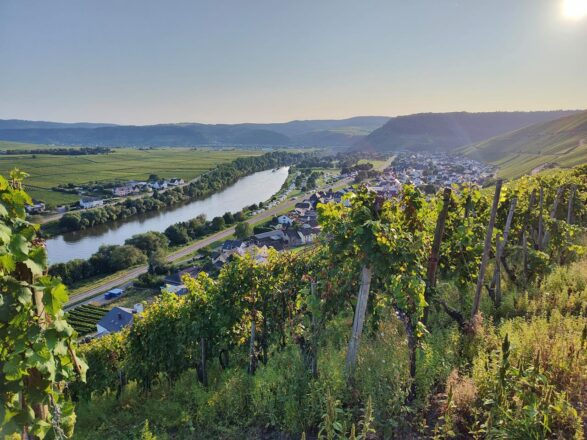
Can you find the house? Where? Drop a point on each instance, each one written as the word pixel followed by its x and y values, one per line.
pixel 259 254
pixel 310 234
pixel 160 184
pixel 219 259
pixel 35 208
pixel 303 206
pixel 125 190
pixel 178 289
pixel 176 181
pixel 115 320
pixel 175 278
pixel 90 202
pixel 231 245
pixel 284 220
pixel 271 235
pixel 294 238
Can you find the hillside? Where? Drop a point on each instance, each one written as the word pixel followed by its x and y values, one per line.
pixel 446 131
pixel 562 142
pixel 287 347
pixel 343 132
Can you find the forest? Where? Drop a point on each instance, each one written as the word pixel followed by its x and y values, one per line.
pixel 460 315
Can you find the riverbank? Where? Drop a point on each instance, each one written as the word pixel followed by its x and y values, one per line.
pixel 249 190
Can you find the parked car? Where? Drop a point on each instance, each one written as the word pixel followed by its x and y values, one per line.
pixel 113 293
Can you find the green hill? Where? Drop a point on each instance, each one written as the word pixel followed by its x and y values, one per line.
pixel 447 131
pixel 558 143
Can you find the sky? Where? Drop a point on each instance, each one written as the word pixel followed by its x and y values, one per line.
pixel 227 61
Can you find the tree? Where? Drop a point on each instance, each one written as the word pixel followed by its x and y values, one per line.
pixel 177 235
pixel 149 242
pixel 218 223
pixel 158 264
pixel 239 217
pixel 37 352
pixel 243 230
pixel 228 218
pixel 126 256
pixel 71 221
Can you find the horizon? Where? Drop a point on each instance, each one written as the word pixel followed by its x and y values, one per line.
pixel 292 120
pixel 144 63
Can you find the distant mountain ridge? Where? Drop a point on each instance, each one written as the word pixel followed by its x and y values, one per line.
pixel 344 132
pixel 23 124
pixel 447 131
pixel 562 142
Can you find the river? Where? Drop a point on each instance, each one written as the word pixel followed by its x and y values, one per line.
pixel 251 189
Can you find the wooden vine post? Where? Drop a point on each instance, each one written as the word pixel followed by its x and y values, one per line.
pixel 359 318
pixel 557 198
pixel 499 244
pixel 500 252
pixel 486 249
pixel 315 330
pixel 203 361
pixel 526 223
pixel 538 241
pixel 570 205
pixel 435 250
pixel 252 353
pixel 525 257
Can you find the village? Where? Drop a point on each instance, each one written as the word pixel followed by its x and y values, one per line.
pixel 95 196
pixel 299 228
pixel 434 170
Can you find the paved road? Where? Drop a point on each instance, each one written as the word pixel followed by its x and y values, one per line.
pixel 134 273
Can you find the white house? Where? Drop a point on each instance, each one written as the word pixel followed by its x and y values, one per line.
pixel 161 184
pixel 90 202
pixel 122 191
pixel 176 181
pixel 284 220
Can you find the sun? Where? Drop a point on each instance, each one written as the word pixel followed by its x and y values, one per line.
pixel 575 9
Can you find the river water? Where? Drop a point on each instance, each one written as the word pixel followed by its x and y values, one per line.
pixel 255 188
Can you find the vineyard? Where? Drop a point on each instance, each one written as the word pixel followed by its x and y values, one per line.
pixel 84 318
pixel 456 316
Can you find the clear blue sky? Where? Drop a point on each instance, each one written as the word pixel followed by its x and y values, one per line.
pixel 147 61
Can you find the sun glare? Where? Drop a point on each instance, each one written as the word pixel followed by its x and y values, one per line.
pixel 575 9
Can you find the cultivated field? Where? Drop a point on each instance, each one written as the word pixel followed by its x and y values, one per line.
pixel 47 171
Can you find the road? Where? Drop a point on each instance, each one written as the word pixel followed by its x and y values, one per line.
pixel 187 250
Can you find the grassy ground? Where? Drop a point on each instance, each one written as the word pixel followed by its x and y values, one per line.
pixel 377 164
pixel 47 171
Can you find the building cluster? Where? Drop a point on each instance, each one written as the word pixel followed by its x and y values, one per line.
pixel 134 187
pixel 439 169
pixel 299 227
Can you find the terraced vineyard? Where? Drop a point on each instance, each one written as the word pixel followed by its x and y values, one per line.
pixel 84 318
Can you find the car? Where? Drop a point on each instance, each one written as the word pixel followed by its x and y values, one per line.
pixel 113 293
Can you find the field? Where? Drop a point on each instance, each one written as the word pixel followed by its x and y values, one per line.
pixel 379 165
pixel 47 171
